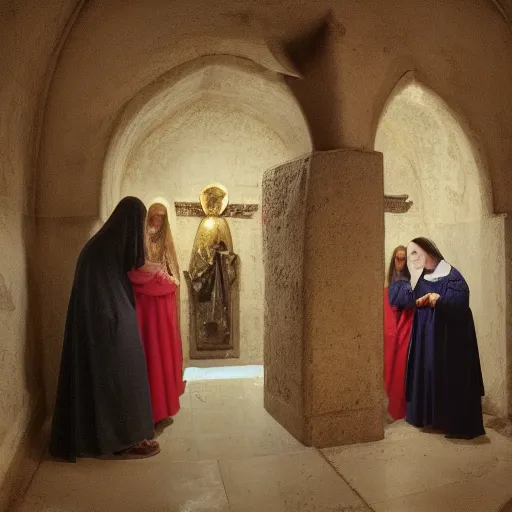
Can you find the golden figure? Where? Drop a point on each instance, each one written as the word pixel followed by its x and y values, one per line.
pixel 211 278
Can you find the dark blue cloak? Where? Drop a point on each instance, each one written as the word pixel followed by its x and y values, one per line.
pixel 444 382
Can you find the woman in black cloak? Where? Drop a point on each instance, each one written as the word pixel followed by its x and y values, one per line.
pixel 443 381
pixel 103 402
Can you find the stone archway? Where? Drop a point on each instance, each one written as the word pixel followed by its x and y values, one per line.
pixel 430 155
pixel 215 119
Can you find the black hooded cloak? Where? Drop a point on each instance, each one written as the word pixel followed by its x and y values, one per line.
pixel 103 399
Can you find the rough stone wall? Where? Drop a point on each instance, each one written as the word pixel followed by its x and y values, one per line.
pixel 508 317
pixel 284 204
pixel 59 243
pixel 29 32
pixel 323 313
pixel 343 307
pixel 118 48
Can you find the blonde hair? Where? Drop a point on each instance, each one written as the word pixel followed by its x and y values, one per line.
pixel 159 246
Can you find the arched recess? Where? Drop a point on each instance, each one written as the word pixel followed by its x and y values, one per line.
pixel 259 92
pixel 431 155
pixel 214 119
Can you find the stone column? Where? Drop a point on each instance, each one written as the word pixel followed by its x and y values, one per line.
pixel 323 228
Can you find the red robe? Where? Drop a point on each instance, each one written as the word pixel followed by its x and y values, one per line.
pixel 155 297
pixel 397 333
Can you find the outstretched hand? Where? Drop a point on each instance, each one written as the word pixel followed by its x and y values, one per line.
pixel 430 300
pixel 433 298
pixel 422 301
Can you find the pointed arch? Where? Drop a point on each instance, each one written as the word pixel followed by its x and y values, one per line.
pixel 431 154
pixel 259 92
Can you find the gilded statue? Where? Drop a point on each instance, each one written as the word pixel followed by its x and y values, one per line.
pixel 212 280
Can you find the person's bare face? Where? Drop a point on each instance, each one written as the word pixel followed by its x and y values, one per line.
pixel 400 260
pixel 417 256
pixel 156 222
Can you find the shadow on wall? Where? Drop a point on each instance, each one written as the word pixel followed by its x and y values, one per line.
pixel 508 309
pixel 21 446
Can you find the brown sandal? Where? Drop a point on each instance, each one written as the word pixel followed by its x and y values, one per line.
pixel 142 450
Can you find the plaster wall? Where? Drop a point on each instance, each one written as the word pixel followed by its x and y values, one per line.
pixel 428 155
pixel 213 140
pixel 29 35
pixel 118 48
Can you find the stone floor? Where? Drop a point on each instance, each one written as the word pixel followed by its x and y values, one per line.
pixel 225 453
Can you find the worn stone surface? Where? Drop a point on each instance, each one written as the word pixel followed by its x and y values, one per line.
pixel 129 47
pixel 116 50
pixel 20 386
pixel 414 471
pixel 343 312
pixel 284 205
pixel 323 321
pixel 508 309
pixel 29 36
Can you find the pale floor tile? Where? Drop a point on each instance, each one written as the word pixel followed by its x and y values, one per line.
pixel 182 425
pixel 224 446
pixel 263 442
pixel 206 421
pixel 481 494
pixel 216 400
pixel 286 443
pixel 400 430
pixel 390 470
pixel 397 467
pixel 217 386
pixel 258 417
pixel 228 421
pixel 253 384
pixel 177 449
pixel 185 401
pixel 299 482
pixel 151 485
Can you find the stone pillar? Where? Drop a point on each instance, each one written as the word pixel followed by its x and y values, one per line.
pixel 323 229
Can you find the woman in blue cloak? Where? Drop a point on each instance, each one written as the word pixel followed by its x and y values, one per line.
pixel 444 385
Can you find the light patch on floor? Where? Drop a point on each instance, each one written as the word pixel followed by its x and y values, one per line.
pixel 223 372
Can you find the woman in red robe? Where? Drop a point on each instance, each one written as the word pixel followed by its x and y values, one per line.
pixel 156 289
pixel 397 333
